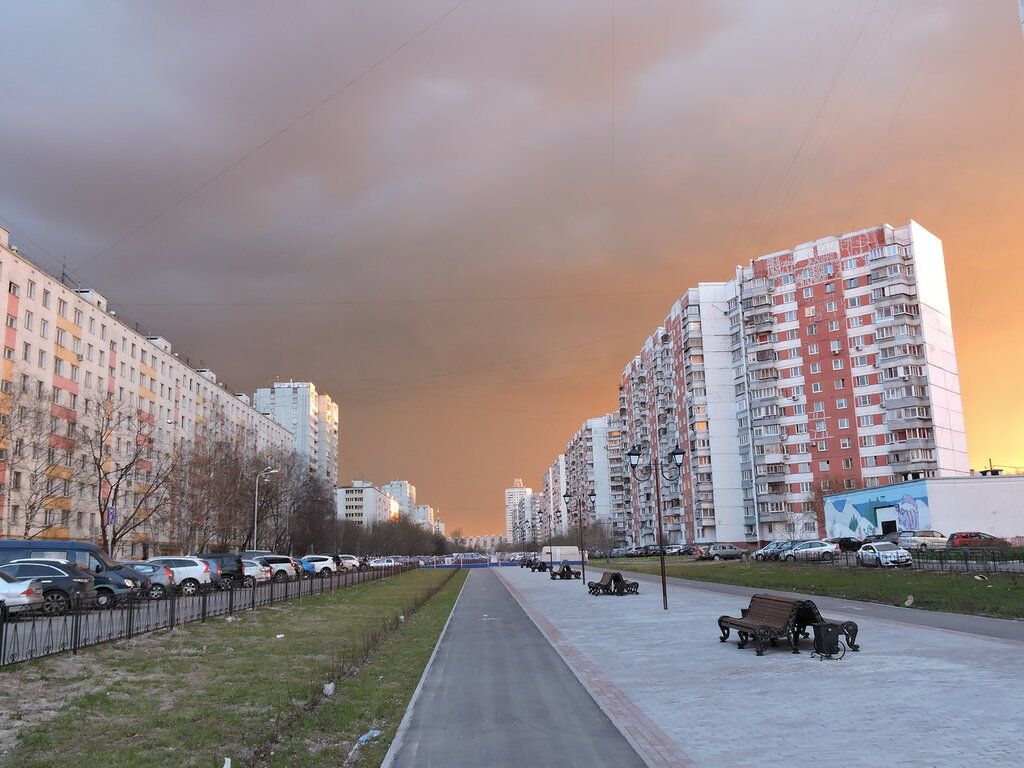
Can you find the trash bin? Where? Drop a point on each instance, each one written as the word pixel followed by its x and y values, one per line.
pixel 826 638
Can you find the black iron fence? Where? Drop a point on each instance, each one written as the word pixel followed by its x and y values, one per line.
pixel 952 560
pixel 24 637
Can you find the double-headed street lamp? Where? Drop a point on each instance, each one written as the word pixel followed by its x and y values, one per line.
pixel 656 470
pixel 579 515
pixel 256 503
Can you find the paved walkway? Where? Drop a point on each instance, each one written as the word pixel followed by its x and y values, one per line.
pixel 497 694
pixel 915 696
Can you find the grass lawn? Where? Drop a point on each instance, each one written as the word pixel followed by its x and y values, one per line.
pixel 1001 595
pixel 203 692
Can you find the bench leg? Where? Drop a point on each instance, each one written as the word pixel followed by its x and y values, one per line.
pixel 761 638
pixel 725 633
pixel 850 630
pixel 744 638
pixel 794 638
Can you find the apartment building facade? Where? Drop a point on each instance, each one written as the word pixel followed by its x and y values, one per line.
pixel 313 419
pixel 404 493
pixel 68 358
pixel 824 368
pixel 593 461
pixel 365 504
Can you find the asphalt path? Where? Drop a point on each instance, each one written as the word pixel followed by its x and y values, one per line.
pixel 496 693
pixel 1000 629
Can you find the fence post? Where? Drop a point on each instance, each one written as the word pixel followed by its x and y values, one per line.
pixel 76 624
pixel 3 632
pixel 172 609
pixel 202 605
pixel 231 599
pixel 253 595
pixel 130 616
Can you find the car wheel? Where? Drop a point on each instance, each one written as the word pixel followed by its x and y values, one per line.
pixel 759 558
pixel 55 602
pixel 248 581
pixel 189 587
pixel 280 576
pixel 827 557
pixel 325 573
pixel 227 582
pixel 104 598
pixel 157 592
pixel 717 557
pixel 790 558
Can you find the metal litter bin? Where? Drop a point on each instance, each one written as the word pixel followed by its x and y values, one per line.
pixel 826 638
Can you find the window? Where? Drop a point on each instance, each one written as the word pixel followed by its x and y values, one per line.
pixel 78 317
pixel 42 358
pixel 833 325
pixel 62 308
pixel 44 329
pixel 851 282
pixel 835 345
pixel 26 352
pixel 792 334
pixel 823 466
pixel 13 289
pixel 46 299
pixel 815 386
pixel 789 316
pixel 866 421
pixel 840 383
pixel 862 381
pixel 29 321
pixel 809 311
pixel 867 441
pixel 812 330
pixel 853 301
pixel 869 461
pixel 831 306
pixel 31 289
pixel 12 321
pixel 815 367
pixel 845 443
pixel 812 349
pixel 830 288
pixel 9 353
pixel 61 338
pixel 847 463
pixel 837 364
pixel 808 293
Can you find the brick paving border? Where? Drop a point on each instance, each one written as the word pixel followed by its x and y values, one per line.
pixel 651 743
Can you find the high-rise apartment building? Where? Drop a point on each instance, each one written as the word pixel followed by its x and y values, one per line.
pixel 514 522
pixel 313 419
pixel 552 520
pixel 594 461
pixel 404 493
pixel 98 384
pixel 830 366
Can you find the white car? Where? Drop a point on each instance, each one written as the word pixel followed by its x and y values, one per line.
pixel 323 564
pixel 921 540
pixel 191 574
pixel 383 562
pixel 884 554
pixel 20 594
pixel 349 562
pixel 255 573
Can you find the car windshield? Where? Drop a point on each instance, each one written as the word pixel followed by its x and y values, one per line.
pixel 885 547
pixel 8 579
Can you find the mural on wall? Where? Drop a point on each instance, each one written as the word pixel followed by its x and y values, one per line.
pixel 856 514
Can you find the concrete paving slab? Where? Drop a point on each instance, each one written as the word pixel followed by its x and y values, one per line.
pixel 915 696
pixel 497 694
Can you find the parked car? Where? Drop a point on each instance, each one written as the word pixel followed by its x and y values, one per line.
pixel 348 562
pixel 975 540
pixel 383 562
pixel 231 571
pixel 618 552
pixel 21 595
pixel 812 551
pixel 674 549
pixel 635 552
pixel 721 552
pixel 920 540
pixel 873 537
pixel 884 554
pixel 285 568
pixel 651 550
pixel 191 574
pixel 322 565
pixel 846 543
pixel 110 575
pixel 766 552
pixel 63 582
pixel 255 573
pixel 159 581
pixel 215 579
pixel 112 586
pixel 779 553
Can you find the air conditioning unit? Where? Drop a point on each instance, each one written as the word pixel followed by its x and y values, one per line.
pixel 80 358
pixel 858 348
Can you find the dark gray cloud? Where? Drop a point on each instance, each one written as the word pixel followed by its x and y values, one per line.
pixel 625 150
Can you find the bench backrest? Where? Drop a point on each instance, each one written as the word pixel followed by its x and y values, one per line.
pixel 772 610
pixel 607 578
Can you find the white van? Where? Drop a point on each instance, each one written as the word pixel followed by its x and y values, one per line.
pixel 558 554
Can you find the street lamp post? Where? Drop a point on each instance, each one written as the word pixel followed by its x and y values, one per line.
pixel 655 470
pixel 256 503
pixel 579 516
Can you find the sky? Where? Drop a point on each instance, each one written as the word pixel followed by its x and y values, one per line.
pixel 462 218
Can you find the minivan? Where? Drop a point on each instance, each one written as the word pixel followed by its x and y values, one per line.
pixel 114 582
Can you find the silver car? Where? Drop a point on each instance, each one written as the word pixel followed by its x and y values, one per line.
pixel 20 595
pixel 812 550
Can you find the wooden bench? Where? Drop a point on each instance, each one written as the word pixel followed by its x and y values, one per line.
pixel 565 572
pixel 809 615
pixel 623 586
pixel 538 565
pixel 602 587
pixel 765 620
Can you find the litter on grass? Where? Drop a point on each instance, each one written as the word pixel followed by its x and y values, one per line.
pixel 369 736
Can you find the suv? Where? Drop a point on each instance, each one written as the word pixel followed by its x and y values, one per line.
pixel 112 587
pixel 232 573
pixel 284 567
pixel 920 540
pixel 975 540
pixel 191 574
pixel 323 565
pixel 721 552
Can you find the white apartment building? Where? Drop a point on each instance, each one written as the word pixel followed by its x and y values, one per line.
pixel 593 460
pixel 551 517
pixel 404 493
pixel 423 516
pixel 363 503
pixel 311 416
pixel 513 497
pixel 63 348
pixel 487 543
pixel 824 368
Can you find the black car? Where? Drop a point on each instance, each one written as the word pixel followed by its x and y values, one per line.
pixel 113 586
pixel 63 582
pixel 651 550
pixel 232 572
pixel 846 543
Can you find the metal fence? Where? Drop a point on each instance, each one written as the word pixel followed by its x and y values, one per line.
pixel 36 635
pixel 955 560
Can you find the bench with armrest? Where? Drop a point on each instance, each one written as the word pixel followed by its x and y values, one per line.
pixel 765 620
pixel 623 586
pixel 808 615
pixel 565 572
pixel 602 587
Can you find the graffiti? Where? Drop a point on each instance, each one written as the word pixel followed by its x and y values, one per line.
pixel 908 515
pixel 857 513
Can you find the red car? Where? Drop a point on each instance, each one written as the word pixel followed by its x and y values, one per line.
pixel 975 540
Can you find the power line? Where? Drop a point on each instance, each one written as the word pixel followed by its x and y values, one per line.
pixel 230 166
